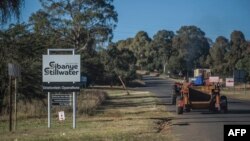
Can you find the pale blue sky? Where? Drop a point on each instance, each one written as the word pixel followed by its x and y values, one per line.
pixel 214 17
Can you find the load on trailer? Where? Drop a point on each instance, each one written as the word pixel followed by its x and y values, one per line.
pixel 207 96
pixel 200 75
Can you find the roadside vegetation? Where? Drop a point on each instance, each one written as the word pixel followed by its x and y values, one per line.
pixel 89 30
pixel 87 27
pixel 137 116
pixel 240 92
pixel 88 101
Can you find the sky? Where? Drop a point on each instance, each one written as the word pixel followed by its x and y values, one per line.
pixel 214 17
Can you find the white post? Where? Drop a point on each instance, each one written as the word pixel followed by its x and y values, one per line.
pixel 74 110
pixel 49 109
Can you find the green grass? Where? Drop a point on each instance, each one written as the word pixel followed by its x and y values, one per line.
pixel 121 117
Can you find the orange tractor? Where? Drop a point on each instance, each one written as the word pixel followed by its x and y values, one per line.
pixel 190 97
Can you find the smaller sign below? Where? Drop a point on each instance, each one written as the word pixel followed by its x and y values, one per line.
pixel 61 99
pixel 229 82
pixel 61 115
pixel 214 79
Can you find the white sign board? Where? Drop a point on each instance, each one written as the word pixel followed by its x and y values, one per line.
pixel 61 115
pixel 61 68
pixel 229 82
pixel 214 79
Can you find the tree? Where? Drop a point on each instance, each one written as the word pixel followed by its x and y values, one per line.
pixel 78 23
pixel 217 55
pixel 9 9
pixel 118 63
pixel 189 46
pixel 139 47
pixel 162 42
pixel 238 47
pixel 18 45
pixel 244 63
pixel 125 43
pixel 92 66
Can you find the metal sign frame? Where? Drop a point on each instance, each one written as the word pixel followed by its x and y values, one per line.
pixel 74 93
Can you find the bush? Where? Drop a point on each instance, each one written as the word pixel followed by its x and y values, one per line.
pixel 89 100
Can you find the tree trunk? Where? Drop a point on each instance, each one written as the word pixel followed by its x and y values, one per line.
pixel 124 86
pixel 164 67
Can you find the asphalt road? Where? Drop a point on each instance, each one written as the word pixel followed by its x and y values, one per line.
pixel 198 125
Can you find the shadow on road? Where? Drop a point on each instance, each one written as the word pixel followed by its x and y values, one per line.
pixel 111 104
pixel 235 111
pixel 151 78
pixel 239 111
pixel 222 115
pixel 136 97
pixel 207 122
pixel 213 116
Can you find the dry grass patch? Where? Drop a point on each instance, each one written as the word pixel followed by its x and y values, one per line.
pixel 237 93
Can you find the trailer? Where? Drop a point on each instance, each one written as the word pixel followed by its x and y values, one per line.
pixel 199 97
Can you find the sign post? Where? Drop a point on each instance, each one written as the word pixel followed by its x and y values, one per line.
pixel 14 72
pixel 61 73
pixel 74 110
pixel 49 109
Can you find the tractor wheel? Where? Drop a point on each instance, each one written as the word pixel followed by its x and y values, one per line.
pixel 179 105
pixel 187 108
pixel 223 104
pixel 175 93
pixel 179 110
pixel 173 98
pixel 212 107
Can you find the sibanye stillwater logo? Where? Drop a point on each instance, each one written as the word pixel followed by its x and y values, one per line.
pixel 61 69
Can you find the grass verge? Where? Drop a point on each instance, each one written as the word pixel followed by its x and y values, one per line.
pixel 121 117
pixel 239 94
